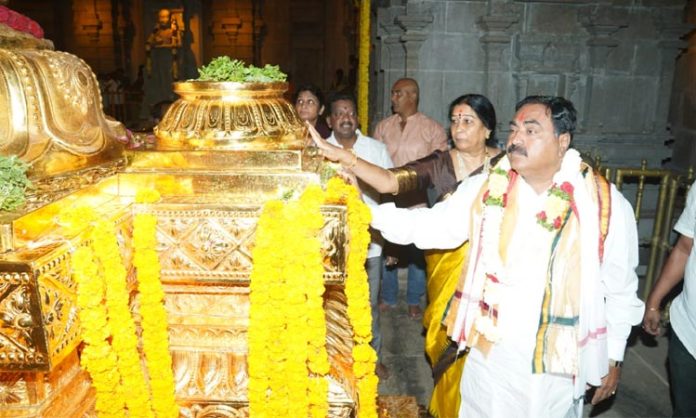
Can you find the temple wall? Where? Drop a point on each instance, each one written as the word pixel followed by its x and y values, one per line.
pixel 615 59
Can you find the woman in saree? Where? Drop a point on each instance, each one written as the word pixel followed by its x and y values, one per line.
pixel 473 122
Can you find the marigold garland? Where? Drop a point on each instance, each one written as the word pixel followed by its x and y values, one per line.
pixel 97 358
pixel 286 304
pixel 154 316
pixel 104 313
pixel 357 292
pixel 364 64
pixel 124 339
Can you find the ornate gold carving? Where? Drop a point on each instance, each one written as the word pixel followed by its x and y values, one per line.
pixel 50 189
pixel 13 389
pixel 22 342
pixel 216 244
pixel 201 410
pixel 230 116
pixel 58 298
pixel 50 112
pixel 64 392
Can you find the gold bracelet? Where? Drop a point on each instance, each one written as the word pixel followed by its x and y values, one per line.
pixel 355 159
pixel 654 309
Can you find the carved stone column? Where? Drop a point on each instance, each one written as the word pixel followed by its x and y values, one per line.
pixel 391 60
pixel 601 28
pixel 670 46
pixel 414 24
pixel 496 42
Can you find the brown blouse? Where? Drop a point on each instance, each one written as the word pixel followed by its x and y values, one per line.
pixel 434 173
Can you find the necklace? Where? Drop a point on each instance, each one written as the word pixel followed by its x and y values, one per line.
pixel 462 166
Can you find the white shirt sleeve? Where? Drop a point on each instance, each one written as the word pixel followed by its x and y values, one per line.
pixel 687 220
pixel 445 225
pixel 618 275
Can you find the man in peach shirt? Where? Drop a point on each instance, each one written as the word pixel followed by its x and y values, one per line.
pixel 408 135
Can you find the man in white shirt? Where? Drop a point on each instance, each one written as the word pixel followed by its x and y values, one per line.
pixel 682 313
pixel 343 121
pixel 546 301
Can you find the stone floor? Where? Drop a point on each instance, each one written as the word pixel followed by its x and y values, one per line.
pixel 643 390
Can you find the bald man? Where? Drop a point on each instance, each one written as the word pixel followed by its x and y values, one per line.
pixel 408 135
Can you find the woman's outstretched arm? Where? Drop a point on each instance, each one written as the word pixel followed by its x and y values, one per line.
pixel 382 180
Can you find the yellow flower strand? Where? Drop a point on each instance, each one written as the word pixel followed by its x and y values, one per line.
pixel 286 304
pixel 97 358
pixel 154 316
pixel 124 339
pixel 357 293
pixel 364 64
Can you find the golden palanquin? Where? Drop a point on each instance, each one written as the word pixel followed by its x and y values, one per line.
pixel 223 150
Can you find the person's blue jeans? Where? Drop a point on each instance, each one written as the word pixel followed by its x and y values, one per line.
pixel 373 267
pixel 415 285
pixel 682 369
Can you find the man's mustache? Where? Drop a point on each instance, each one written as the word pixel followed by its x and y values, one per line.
pixel 516 149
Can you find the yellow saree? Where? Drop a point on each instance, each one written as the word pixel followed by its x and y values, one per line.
pixel 443 270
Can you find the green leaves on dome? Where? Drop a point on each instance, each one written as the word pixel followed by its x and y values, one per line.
pixel 224 68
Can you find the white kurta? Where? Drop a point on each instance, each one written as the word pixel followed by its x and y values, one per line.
pixel 502 384
pixel 683 309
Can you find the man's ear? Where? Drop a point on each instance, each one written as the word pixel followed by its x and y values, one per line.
pixel 328 122
pixel 564 142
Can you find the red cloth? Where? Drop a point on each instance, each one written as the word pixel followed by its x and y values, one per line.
pixel 20 22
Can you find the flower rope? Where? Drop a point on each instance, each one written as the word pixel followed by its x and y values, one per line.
pixel 97 358
pixel 357 292
pixel 364 64
pixel 124 339
pixel 286 304
pixel 154 316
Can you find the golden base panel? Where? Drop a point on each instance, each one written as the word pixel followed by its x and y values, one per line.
pixel 223 150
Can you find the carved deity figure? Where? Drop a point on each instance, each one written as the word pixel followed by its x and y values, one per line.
pixel 166 35
pixel 162 68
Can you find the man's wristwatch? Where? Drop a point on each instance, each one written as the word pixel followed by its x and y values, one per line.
pixel 615 363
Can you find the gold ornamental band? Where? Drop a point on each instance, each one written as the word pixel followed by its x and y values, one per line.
pixel 406 178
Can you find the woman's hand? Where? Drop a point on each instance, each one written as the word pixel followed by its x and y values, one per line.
pixel 329 151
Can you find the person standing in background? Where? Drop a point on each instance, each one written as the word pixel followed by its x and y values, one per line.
pixel 408 135
pixel 343 120
pixel 682 313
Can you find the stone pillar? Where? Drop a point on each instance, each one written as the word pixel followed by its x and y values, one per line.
pixel 601 42
pixel 670 45
pixel 415 24
pixel 601 28
pixel 392 61
pixel 497 38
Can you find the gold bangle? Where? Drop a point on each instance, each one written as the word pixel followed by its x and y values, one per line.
pixel 355 159
pixel 654 309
